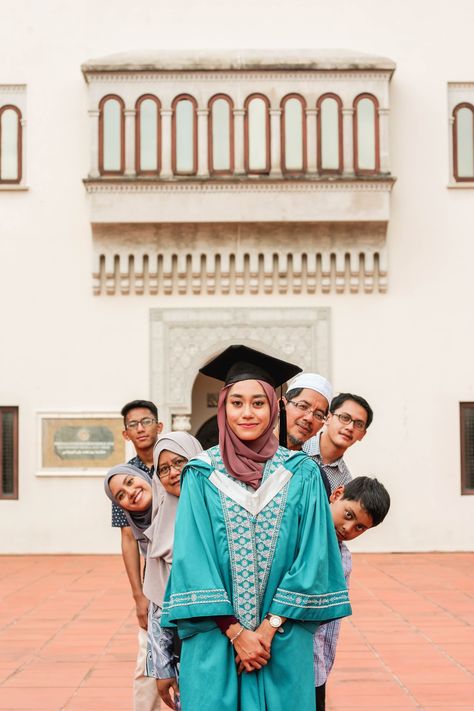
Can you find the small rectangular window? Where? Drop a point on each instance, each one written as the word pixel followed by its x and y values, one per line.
pixel 467 447
pixel 8 452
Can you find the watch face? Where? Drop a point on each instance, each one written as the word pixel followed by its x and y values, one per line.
pixel 275 621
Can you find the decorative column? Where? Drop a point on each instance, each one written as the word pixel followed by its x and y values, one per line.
pixel 311 141
pixel 384 140
pixel 275 143
pixel 347 141
pixel 239 168
pixel 23 152
pixel 94 124
pixel 451 150
pixel 130 142
pixel 203 167
pixel 166 115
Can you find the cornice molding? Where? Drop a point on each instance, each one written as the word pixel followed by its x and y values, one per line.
pixel 461 85
pixel 209 77
pixel 12 88
pixel 135 186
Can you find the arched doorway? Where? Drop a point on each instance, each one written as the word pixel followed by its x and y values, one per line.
pixel 204 409
pixel 182 340
pixel 208 433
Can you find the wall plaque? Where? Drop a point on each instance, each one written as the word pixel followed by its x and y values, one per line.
pixel 81 442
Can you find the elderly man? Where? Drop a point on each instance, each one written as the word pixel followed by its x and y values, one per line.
pixel 307 404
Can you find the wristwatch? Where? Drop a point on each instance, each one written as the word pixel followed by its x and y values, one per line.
pixel 275 621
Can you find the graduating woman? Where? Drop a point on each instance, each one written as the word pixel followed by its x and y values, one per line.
pixel 256 565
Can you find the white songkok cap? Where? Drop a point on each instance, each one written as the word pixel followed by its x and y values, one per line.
pixel 313 381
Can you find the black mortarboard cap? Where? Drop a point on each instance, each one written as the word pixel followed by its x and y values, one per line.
pixel 238 363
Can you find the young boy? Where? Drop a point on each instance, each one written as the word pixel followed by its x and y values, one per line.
pixel 361 504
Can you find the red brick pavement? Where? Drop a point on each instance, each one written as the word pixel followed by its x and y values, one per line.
pixel 68 634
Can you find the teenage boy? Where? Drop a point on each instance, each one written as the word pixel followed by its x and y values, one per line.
pixel 141 428
pixel 347 422
pixel 306 404
pixel 362 504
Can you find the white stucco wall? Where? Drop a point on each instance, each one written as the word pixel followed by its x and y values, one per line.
pixel 410 351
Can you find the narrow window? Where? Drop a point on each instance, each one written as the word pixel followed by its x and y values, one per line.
pixel 184 135
pixel 111 136
pixel 467 447
pixel 8 452
pixel 366 134
pixel 147 133
pixel 329 134
pixel 257 134
pixel 463 142
pixel 221 135
pixel 10 144
pixel 293 134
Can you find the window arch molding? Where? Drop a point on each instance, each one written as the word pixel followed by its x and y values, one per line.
pixel 355 125
pixel 284 157
pixel 174 136
pixel 139 138
pixel 247 158
pixel 102 169
pixel 319 105
pixel 457 177
pixel 210 128
pixel 19 143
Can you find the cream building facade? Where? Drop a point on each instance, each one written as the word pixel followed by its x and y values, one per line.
pixel 159 204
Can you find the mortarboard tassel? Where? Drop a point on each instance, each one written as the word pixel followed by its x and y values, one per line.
pixel 282 429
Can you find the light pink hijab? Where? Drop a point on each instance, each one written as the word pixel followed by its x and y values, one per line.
pixel 245 460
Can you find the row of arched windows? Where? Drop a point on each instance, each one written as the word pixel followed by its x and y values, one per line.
pixel 463 142
pixel 10 144
pixel 257 129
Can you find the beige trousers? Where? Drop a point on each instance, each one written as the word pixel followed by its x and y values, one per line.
pixel 145 693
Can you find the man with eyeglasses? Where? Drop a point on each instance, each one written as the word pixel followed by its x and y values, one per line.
pixel 349 417
pixel 141 428
pixel 347 422
pixel 307 404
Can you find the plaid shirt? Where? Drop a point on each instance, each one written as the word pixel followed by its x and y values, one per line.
pixel 337 472
pixel 326 636
pixel 119 520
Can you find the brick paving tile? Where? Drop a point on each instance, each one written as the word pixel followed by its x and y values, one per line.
pixel 68 634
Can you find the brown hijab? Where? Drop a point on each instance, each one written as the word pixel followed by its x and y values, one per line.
pixel 245 460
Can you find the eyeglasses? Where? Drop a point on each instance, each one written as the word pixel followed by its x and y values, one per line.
pixel 145 422
pixel 176 464
pixel 304 408
pixel 346 419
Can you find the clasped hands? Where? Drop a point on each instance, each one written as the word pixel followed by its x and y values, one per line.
pixel 252 648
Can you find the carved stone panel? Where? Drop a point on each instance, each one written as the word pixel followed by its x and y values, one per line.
pixel 182 341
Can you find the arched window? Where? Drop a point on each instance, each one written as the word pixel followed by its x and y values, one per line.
pixel 184 135
pixel 257 134
pixel 111 135
pixel 330 134
pixel 463 142
pixel 10 144
pixel 221 135
pixel 293 134
pixel 366 134
pixel 147 135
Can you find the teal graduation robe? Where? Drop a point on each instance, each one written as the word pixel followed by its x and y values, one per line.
pixel 243 552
